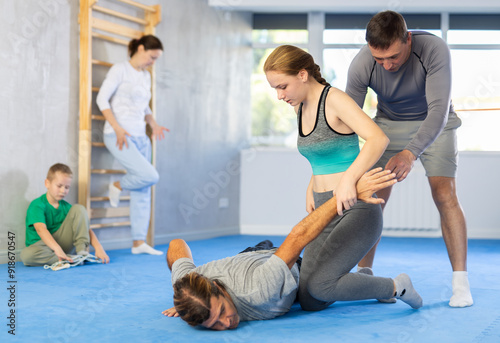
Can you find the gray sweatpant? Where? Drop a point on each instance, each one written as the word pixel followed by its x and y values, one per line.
pixel 327 261
pixel 73 235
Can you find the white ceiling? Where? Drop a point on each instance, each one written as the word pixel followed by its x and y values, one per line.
pixel 364 6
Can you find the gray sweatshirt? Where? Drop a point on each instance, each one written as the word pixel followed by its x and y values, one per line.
pixel 260 283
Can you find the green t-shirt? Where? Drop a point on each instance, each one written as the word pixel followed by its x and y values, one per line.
pixel 41 211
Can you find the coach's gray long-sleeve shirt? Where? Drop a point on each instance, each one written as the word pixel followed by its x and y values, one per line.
pixel 419 90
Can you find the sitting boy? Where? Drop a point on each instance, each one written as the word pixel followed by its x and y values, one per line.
pixel 54 227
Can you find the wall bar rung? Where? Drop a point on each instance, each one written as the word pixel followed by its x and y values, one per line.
pixel 138 5
pixel 100 226
pixel 108 171
pixel 120 15
pixel 101 63
pixel 123 198
pixel 110 39
pixel 116 29
pixel 98 117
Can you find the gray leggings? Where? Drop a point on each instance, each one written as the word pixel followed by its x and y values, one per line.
pixel 327 261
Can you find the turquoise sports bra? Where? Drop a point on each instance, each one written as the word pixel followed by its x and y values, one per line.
pixel 327 150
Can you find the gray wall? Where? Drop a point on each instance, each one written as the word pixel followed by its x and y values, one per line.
pixel 203 98
pixel 38 96
pixel 203 90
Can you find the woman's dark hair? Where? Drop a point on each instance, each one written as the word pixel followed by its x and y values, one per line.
pixel 192 297
pixel 290 60
pixel 385 28
pixel 149 42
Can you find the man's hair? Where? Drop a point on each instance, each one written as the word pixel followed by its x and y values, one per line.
pixel 58 167
pixel 192 297
pixel 385 28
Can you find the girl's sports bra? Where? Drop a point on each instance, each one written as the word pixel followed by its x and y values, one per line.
pixel 327 150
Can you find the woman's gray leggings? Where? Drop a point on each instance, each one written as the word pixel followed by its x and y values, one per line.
pixel 327 261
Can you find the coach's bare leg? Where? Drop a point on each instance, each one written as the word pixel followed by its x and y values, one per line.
pixel 454 229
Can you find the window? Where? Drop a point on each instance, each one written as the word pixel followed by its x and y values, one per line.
pixel 343 45
pixel 474 42
pixel 343 36
pixel 274 122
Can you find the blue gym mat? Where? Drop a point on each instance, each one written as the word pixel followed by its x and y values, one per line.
pixel 123 301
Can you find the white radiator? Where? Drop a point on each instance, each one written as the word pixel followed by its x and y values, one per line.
pixel 410 210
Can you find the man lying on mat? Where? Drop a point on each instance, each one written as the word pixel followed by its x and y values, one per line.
pixel 263 284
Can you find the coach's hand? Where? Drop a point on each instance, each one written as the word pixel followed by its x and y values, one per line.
pixel 401 164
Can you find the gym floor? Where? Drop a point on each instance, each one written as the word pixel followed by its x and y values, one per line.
pixel 123 301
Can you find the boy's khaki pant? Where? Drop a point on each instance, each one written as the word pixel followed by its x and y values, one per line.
pixel 73 234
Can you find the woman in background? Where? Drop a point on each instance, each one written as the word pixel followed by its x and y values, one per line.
pixel 124 101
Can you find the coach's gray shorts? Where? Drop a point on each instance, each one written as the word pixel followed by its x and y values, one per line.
pixel 439 159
